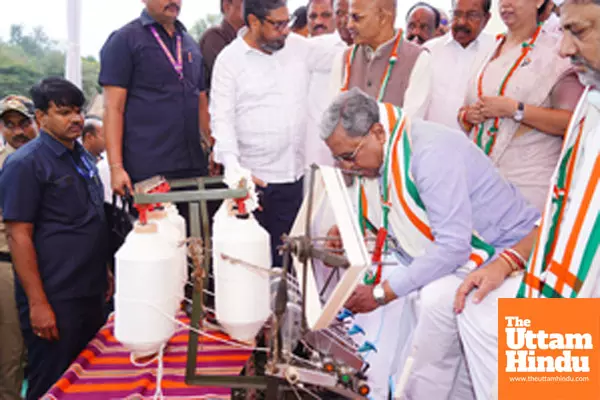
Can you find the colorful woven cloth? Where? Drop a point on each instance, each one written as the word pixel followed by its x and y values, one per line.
pixel 103 370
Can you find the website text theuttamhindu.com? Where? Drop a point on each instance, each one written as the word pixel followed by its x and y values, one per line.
pixel 531 378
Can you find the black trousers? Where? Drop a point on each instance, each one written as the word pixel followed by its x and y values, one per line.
pixel 78 320
pixel 280 204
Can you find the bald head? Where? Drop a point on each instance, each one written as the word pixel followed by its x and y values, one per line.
pixel 371 22
pixel 388 5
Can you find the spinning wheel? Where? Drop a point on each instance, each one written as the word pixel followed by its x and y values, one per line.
pixel 311 349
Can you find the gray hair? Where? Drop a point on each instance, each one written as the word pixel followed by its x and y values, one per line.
pixel 355 110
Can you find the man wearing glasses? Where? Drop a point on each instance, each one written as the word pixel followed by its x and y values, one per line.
pixel 464 49
pixel 442 202
pixel 259 109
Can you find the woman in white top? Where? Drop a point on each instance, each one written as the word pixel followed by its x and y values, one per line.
pixel 519 103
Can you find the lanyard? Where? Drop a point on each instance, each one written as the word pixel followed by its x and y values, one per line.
pixel 87 172
pixel 177 64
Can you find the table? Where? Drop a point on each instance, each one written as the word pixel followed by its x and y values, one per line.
pixel 103 370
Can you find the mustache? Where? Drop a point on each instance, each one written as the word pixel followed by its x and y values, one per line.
pixel 172 4
pixel 461 28
pixel 411 37
pixel 320 27
pixel 21 137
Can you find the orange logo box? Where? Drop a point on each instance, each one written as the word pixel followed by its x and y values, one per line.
pixel 549 349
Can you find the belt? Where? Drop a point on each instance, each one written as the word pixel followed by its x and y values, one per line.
pixel 5 257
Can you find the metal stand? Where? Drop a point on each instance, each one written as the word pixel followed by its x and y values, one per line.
pixel 193 191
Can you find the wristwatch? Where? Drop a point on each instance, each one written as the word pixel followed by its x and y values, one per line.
pixel 379 294
pixel 520 113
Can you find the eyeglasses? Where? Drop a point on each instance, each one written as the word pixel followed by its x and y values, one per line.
pixel 279 25
pixel 351 157
pixel 469 15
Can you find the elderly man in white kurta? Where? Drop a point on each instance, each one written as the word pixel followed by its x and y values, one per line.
pixel 443 220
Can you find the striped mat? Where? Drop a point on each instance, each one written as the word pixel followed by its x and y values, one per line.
pixel 103 370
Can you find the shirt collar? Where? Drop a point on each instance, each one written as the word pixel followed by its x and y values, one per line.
pixel 449 40
pixel 247 48
pixel 148 20
pixel 594 97
pixel 370 52
pixel 58 148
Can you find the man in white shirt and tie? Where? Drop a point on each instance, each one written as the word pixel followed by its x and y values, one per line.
pixel 258 108
pixel 456 57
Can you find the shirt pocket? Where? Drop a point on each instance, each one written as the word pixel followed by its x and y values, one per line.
pixel 152 67
pixel 192 69
pixel 67 199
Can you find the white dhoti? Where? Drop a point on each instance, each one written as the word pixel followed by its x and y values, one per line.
pixel 478 326
pixel 436 368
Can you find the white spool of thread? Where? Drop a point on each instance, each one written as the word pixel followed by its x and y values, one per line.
pixel 179 222
pixel 176 219
pixel 144 284
pixel 242 293
pixel 168 227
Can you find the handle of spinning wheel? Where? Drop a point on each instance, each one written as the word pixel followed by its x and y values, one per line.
pixel 143 209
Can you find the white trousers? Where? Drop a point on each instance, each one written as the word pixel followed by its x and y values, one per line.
pixel 478 325
pixel 436 367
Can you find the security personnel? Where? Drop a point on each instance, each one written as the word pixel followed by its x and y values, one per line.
pixel 17 126
pixel 52 202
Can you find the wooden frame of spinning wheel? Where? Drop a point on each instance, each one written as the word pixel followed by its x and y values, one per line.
pixel 328 185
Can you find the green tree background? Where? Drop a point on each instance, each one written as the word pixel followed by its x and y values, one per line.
pixel 27 57
pixel 30 55
pixel 203 24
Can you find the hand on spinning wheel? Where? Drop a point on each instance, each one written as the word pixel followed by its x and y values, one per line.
pixel 334 242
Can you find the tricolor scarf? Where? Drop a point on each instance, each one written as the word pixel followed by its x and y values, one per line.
pixel 408 216
pixel 566 249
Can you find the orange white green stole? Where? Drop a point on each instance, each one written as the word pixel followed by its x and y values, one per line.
pixel 407 214
pixel 566 250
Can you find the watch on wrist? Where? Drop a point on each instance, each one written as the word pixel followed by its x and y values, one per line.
pixel 520 113
pixel 379 294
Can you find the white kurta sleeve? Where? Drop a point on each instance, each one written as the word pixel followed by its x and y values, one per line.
pixel 418 93
pixel 336 77
pixel 222 113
